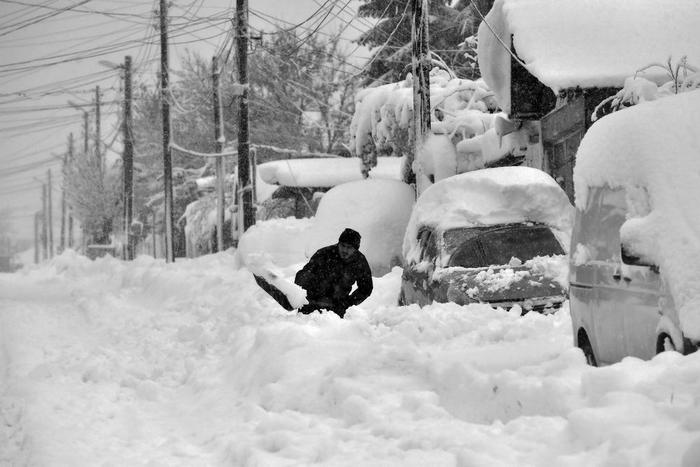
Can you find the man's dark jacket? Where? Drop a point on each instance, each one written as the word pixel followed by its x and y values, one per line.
pixel 327 277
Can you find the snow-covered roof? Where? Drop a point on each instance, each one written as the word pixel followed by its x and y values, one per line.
pixel 654 145
pixel 316 172
pixel 498 195
pixel 586 43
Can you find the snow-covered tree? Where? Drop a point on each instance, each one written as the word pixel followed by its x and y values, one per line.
pixel 465 125
pixel 94 195
pixel 390 37
pixel 682 77
pixel 301 94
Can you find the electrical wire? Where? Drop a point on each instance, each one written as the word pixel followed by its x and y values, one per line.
pixel 39 19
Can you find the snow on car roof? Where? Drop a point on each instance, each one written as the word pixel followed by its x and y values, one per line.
pixel 497 195
pixel 655 145
pixel 593 43
pixel 326 172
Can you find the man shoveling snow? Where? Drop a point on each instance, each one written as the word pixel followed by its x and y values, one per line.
pixel 327 279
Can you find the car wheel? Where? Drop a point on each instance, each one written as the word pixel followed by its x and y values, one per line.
pixel 664 344
pixel 585 345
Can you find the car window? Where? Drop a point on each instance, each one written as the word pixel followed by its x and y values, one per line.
pixel 497 246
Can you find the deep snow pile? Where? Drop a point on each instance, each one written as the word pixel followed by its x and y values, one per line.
pixel 191 364
pixel 596 43
pixel 654 146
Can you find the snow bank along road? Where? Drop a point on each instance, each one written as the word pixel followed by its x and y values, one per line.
pixel 108 363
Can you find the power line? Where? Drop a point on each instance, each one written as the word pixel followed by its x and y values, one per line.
pixel 38 19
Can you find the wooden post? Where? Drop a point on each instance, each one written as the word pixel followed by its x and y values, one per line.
pixel 244 184
pixel 421 91
pixel 86 131
pixel 165 115
pixel 254 175
pixel 44 226
pixel 153 235
pixel 49 218
pixel 98 136
pixel 219 141
pixel 64 209
pixel 128 161
pixel 36 238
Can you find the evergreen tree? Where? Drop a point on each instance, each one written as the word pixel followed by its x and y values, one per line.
pixel 451 22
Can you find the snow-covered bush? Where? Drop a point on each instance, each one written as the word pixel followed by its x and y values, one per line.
pixel 682 77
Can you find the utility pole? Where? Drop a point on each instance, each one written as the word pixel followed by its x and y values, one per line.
pixel 66 158
pixel 70 214
pixel 98 136
pixel 86 129
pixel 70 229
pixel 245 186
pixel 153 234
pixel 421 91
pixel 128 161
pixel 36 238
pixel 50 214
pixel 165 113
pixel 44 228
pixel 219 141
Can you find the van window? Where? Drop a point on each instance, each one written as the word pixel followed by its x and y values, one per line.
pixel 613 210
pixel 585 229
pixel 598 225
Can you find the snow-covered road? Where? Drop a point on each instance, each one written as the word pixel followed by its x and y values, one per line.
pixel 121 364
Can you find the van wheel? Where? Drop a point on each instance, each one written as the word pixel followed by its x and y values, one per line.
pixel 664 344
pixel 585 345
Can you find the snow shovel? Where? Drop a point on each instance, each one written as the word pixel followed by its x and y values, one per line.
pixel 274 292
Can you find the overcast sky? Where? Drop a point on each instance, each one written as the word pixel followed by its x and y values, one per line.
pixel 39 73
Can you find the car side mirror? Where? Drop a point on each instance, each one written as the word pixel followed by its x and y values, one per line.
pixel 634 260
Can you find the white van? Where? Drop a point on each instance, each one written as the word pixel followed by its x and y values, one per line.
pixel 620 306
pixel 634 276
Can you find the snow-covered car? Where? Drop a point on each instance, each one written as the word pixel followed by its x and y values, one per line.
pixel 496 236
pixel 302 182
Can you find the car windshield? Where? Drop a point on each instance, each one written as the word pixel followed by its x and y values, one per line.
pixel 496 245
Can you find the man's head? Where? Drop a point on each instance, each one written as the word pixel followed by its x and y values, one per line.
pixel 348 244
